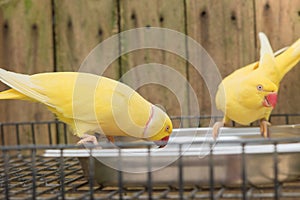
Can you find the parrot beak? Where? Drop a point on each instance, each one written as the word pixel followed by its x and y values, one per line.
pixel 270 100
pixel 163 142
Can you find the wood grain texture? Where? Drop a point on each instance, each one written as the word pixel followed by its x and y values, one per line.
pixel 226 31
pixel 25 47
pixel 280 20
pixel 80 26
pixel 165 14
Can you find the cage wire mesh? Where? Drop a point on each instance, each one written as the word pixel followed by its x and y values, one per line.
pixel 26 173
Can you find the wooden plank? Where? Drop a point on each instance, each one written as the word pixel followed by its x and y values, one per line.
pixel 226 31
pixel 280 21
pixel 166 14
pixel 25 47
pixel 80 27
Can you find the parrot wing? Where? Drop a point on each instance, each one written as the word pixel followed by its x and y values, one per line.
pixel 265 47
pixel 273 67
pixel 267 63
pixel 55 90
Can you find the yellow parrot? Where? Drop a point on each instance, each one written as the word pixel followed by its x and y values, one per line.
pixel 250 93
pixel 91 103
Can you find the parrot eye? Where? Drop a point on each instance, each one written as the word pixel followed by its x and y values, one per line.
pixel 260 87
pixel 167 128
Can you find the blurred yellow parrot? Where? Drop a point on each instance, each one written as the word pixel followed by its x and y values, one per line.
pixel 91 103
pixel 250 93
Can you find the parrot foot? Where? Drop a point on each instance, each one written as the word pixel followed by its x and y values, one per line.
pixel 216 129
pixel 111 139
pixel 264 128
pixel 86 138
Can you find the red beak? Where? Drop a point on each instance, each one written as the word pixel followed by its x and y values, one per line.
pixel 270 100
pixel 163 142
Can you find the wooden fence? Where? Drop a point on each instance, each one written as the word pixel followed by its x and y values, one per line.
pixel 57 35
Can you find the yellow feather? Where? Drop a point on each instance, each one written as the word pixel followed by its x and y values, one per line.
pixel 288 59
pixel 90 103
pixel 238 95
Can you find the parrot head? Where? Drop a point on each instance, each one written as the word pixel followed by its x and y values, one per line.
pixel 267 92
pixel 164 134
pixel 258 92
pixel 159 128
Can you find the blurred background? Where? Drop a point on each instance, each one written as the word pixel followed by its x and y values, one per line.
pixel 57 35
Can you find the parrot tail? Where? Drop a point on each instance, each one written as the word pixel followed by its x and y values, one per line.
pixel 288 59
pixel 22 87
pixel 12 94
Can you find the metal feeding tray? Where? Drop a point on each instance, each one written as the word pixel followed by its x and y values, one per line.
pixel 192 157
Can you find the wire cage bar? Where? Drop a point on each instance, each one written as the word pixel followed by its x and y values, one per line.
pixel 27 173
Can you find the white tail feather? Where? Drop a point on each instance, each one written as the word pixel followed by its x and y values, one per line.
pixel 23 84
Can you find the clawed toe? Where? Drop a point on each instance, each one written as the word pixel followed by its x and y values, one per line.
pixel 264 128
pixel 88 139
pixel 216 129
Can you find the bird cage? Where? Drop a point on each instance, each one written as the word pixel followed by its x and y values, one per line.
pixel 240 164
